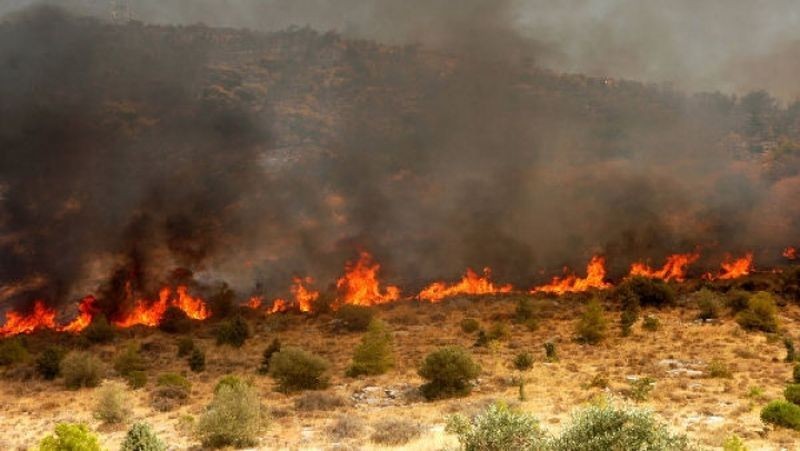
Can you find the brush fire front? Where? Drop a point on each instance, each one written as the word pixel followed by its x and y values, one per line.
pixel 359 285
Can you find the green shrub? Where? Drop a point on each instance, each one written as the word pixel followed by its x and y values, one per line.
pixel 649 292
pixel 235 417
pixel 734 443
pixel 296 369
pixel 640 388
pixel 315 401
pixel 524 310
pixel 449 372
pixel 141 438
pixel 395 431
pixel 629 302
pixel 718 369
pixel 174 380
pixel 591 327
pixel 736 300
pixel 233 332
pixel 113 403
pixel 171 390
pixel 708 303
pixel 651 323
pixel 611 428
pixel 499 331
pixel 70 437
pixel 790 283
pixel 791 355
pixel 346 426
pixel 792 393
pixel 100 330
pixel 354 318
pixel 129 360
pixel 197 361
pixel 550 352
pixel 796 373
pixel 782 413
pixel 12 351
pixel 229 380
pixel 266 356
pixel 497 428
pixel 523 361
pixel 81 369
pixel 136 379
pixel 49 361
pixel 760 313
pixel 482 340
pixel 185 346
pixel 175 321
pixel 470 325
pixel 375 354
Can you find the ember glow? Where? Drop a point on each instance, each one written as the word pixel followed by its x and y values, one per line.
pixel 255 302
pixel 570 283
pixel 471 283
pixel 673 269
pixel 360 286
pixel 790 253
pixel 147 313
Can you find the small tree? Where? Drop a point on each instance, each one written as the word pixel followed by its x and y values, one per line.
pixel 266 356
pixel 523 361
pixel 591 328
pixel 49 361
pixel 129 360
pixel 197 361
pixel 498 428
pixel 296 369
pixel 525 311
pixel 782 413
pixel 70 437
pixel 81 369
pixel 100 330
pixel 12 351
pixel 469 325
pixel 375 354
pixel 171 391
pixel 791 355
pixel 235 417
pixel 175 321
pixel 759 314
pixel 185 346
pixel 113 403
pixel 630 308
pixel 141 438
pixel 233 332
pixel 449 372
pixel 708 303
pixel 355 318
pixel 650 292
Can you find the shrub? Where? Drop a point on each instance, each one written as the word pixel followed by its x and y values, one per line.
pixel 523 361
pixel 611 428
pixel 791 355
pixel 640 388
pixel 718 369
pixel 792 393
pixel 70 437
pixel 630 308
pixel 709 304
pixel 141 438
pixel 649 292
pixel 296 369
pixel 736 300
pixel 550 352
pixel 197 361
pixel 782 413
pixel 395 431
pixel 171 391
pixel 499 331
pixel 346 426
pixel 449 372
pixel 12 351
pixel 318 401
pixel 81 369
pixel 229 380
pixel 175 321
pixel 790 283
pixel 235 417
pixel 136 379
pixel 113 403
pixel 524 311
pixel 233 332
pixel 482 341
pixel 734 443
pixel 651 323
pixel 470 325
pixel 49 361
pixel 354 318
pixel 100 330
pixel 760 313
pixel 497 428
pixel 796 373
pixel 591 327
pixel 185 346
pixel 129 360
pixel 266 356
pixel 375 354
pixel 221 301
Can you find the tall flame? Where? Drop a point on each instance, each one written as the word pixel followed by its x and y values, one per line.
pixel 84 318
pixel 570 283
pixel 471 283
pixel 673 269
pixel 732 269
pixel 278 305
pixel 146 313
pixel 40 318
pixel 360 286
pixel 304 297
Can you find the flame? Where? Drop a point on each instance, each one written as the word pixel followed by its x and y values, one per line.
pixel 255 302
pixel 360 286
pixel 304 298
pixel 790 253
pixel 42 317
pixel 471 283
pixel 732 269
pixel 674 268
pixel 278 305
pixel 570 283
pixel 146 313
pixel 84 318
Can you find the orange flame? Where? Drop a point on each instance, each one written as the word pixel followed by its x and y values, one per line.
pixel 674 268
pixel 278 305
pixel 790 253
pixel 42 317
pixel 732 269
pixel 360 286
pixel 471 283
pixel 84 318
pixel 255 302
pixel 147 313
pixel 304 297
pixel 570 283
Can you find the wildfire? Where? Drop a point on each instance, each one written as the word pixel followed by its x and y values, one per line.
pixel 147 313
pixel 42 317
pixel 304 297
pixel 732 269
pixel 673 269
pixel 471 283
pixel 255 302
pixel 278 305
pixel 84 318
pixel 570 283
pixel 790 253
pixel 360 286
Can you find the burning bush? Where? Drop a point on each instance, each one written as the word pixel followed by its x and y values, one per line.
pixel 497 428
pixel 233 332
pixel 354 318
pixel 70 436
pixel 235 417
pixel 591 327
pixel 375 354
pixel 113 403
pixel 81 369
pixel 12 351
pixel 49 361
pixel 266 356
pixel 782 413
pixel 760 313
pixel 449 372
pixel 296 369
pixel 141 438
pixel 650 292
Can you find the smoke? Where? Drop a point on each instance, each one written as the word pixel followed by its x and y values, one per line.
pixel 134 154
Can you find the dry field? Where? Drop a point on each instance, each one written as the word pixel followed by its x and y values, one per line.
pixel 676 356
